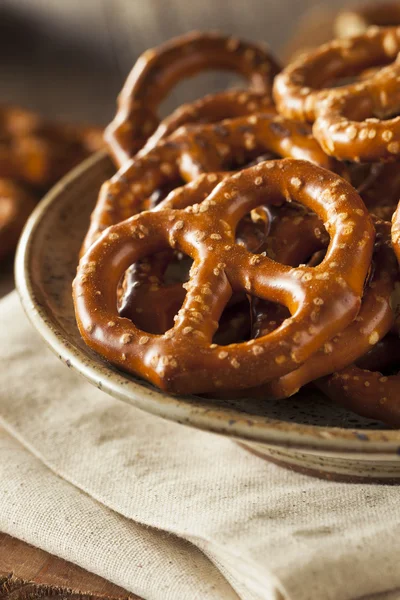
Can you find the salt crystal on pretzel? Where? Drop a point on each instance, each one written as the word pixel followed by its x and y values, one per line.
pixel 184 359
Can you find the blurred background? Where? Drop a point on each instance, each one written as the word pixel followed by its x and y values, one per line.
pixel 69 58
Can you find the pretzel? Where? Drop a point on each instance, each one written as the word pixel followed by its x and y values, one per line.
pixel 345 118
pixel 372 323
pixel 152 304
pixel 184 359
pixel 303 86
pixel 212 109
pixel 367 393
pixel 38 152
pixel 356 20
pixel 159 69
pixel 146 299
pixel 193 150
pixel 16 204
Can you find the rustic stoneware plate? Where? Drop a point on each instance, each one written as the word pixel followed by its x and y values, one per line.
pixel 305 432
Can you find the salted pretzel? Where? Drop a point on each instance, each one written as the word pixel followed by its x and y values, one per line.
pixel 151 303
pixel 356 20
pixel 351 122
pixel 184 359
pixel 38 152
pixel 367 393
pixel 361 387
pixel 213 108
pixel 373 322
pixel 16 204
pixel 159 69
pixel 196 149
pixel 147 299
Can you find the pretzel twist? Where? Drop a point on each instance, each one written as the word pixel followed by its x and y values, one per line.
pixel 349 122
pixel 16 204
pixel 196 149
pixel 184 359
pixel 159 69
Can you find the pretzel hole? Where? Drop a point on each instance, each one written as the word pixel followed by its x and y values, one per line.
pixel 192 88
pixel 293 235
pixel 162 192
pixel 383 357
pixel 267 316
pixel 252 230
pixel 235 322
pixel 151 292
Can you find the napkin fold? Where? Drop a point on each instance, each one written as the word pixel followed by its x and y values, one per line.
pixel 169 512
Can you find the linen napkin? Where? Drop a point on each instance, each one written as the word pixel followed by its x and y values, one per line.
pixel 169 512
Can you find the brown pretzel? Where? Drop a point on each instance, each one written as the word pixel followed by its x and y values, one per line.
pixel 367 393
pixel 346 123
pixel 193 150
pixel 152 303
pixel 184 359
pixel 302 88
pixel 356 20
pixel 372 323
pixel 147 299
pixel 212 109
pixel 16 204
pixel 38 152
pixel 159 69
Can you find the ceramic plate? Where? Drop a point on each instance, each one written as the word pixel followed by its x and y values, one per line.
pixel 305 432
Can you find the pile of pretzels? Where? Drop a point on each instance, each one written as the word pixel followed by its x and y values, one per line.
pixel 248 244
pixel 34 154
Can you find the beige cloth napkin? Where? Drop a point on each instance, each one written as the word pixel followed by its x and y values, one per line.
pixel 168 512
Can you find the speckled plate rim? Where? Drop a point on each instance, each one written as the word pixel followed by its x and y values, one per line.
pixel 189 411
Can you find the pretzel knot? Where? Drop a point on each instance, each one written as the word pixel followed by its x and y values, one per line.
pixel 351 122
pixel 198 149
pixel 322 300
pixel 158 70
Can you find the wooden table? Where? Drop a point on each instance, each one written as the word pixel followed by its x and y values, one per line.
pixel 29 573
